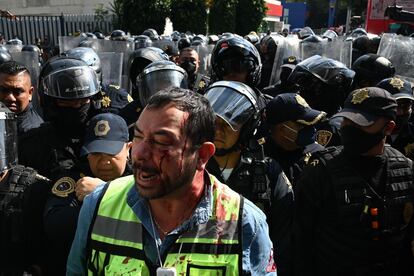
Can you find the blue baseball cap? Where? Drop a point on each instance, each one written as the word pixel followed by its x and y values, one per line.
pixel 292 107
pixel 399 88
pixel 105 133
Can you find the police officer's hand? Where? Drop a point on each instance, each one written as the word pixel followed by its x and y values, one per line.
pixel 86 185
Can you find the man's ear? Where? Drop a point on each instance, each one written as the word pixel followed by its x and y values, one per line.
pixel 31 93
pixel 205 152
pixel 389 127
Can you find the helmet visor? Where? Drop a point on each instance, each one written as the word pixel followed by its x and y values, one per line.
pixel 230 105
pixel 71 83
pixel 150 82
pixel 8 140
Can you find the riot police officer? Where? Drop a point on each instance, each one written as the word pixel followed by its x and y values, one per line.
pixel 268 48
pixel 371 69
pixel 16 93
pixel 156 76
pixel 239 161
pixel 402 137
pixel 324 83
pixel 353 203
pixel 235 59
pixel 106 147
pixel 292 132
pixel 111 98
pixel 22 192
pixel 67 86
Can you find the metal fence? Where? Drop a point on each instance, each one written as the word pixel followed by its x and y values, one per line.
pixel 29 27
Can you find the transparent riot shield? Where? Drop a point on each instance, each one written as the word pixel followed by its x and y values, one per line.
pixel 111 63
pixel 31 61
pixel 308 49
pixel 204 54
pixel 164 44
pixel 399 50
pixel 69 42
pixel 288 46
pixel 124 47
pixel 340 50
pixel 13 48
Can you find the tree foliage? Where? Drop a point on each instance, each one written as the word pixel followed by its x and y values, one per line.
pixel 249 15
pixel 222 16
pixel 140 15
pixel 189 15
pixel 116 7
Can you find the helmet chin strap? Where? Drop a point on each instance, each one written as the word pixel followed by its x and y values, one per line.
pixel 223 152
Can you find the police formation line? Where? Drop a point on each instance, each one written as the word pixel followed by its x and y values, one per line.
pixel 217 155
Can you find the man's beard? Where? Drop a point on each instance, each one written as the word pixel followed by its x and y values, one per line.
pixel 165 185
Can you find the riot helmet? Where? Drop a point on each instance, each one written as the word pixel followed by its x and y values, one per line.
pixel 151 33
pixel 89 56
pixel 175 36
pixel 91 35
pixel 213 39
pixel 99 35
pixel 323 82
pixel 305 32
pixel 142 41
pixel 252 37
pixel 5 57
pixel 118 35
pixel 157 76
pixel 330 35
pixel 8 138
pixel 202 38
pixel 226 35
pixel 3 48
pixel 235 55
pixel 237 104
pixel 370 69
pixel 14 41
pixel 31 48
pixel 184 43
pixel 67 85
pixel 313 39
pixel 358 32
pixel 89 44
pixel 140 59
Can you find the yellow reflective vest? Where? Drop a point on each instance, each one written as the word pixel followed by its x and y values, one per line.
pixel 115 245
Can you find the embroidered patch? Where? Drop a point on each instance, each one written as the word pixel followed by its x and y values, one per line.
pixel 64 186
pixel 323 137
pixel 360 95
pixel 102 128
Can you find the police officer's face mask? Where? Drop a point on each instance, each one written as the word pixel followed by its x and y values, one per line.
pixel 356 141
pixel 189 67
pixel 302 137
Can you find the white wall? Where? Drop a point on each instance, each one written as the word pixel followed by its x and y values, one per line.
pixel 51 7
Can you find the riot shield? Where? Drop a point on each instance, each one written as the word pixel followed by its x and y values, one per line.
pixel 204 54
pixel 336 49
pixel 13 48
pixel 288 46
pixel 165 44
pixel 69 42
pixel 31 61
pixel 399 50
pixel 111 63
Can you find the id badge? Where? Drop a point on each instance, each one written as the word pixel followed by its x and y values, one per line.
pixel 166 271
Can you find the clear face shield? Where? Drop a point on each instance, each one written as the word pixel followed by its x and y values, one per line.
pixel 8 140
pixel 152 80
pixel 71 83
pixel 230 105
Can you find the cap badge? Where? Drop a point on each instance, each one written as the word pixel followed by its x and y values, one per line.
pixel 323 137
pixel 201 84
pixel 397 83
pixel 291 59
pixel 64 186
pixel 360 95
pixel 102 128
pixel 106 101
pixel 301 101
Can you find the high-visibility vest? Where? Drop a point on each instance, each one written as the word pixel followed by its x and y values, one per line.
pixel 115 245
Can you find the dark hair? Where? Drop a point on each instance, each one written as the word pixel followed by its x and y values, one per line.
pixel 200 126
pixel 13 68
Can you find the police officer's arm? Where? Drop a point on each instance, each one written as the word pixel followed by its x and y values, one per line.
pixel 76 264
pixel 257 246
pixel 311 190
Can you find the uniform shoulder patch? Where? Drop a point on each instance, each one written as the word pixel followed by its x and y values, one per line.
pixel 64 186
pixel 323 137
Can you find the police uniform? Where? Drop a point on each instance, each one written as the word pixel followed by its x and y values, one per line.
pixel 353 207
pixel 28 119
pixel 111 99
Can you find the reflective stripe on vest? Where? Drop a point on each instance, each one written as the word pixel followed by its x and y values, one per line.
pixel 116 239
